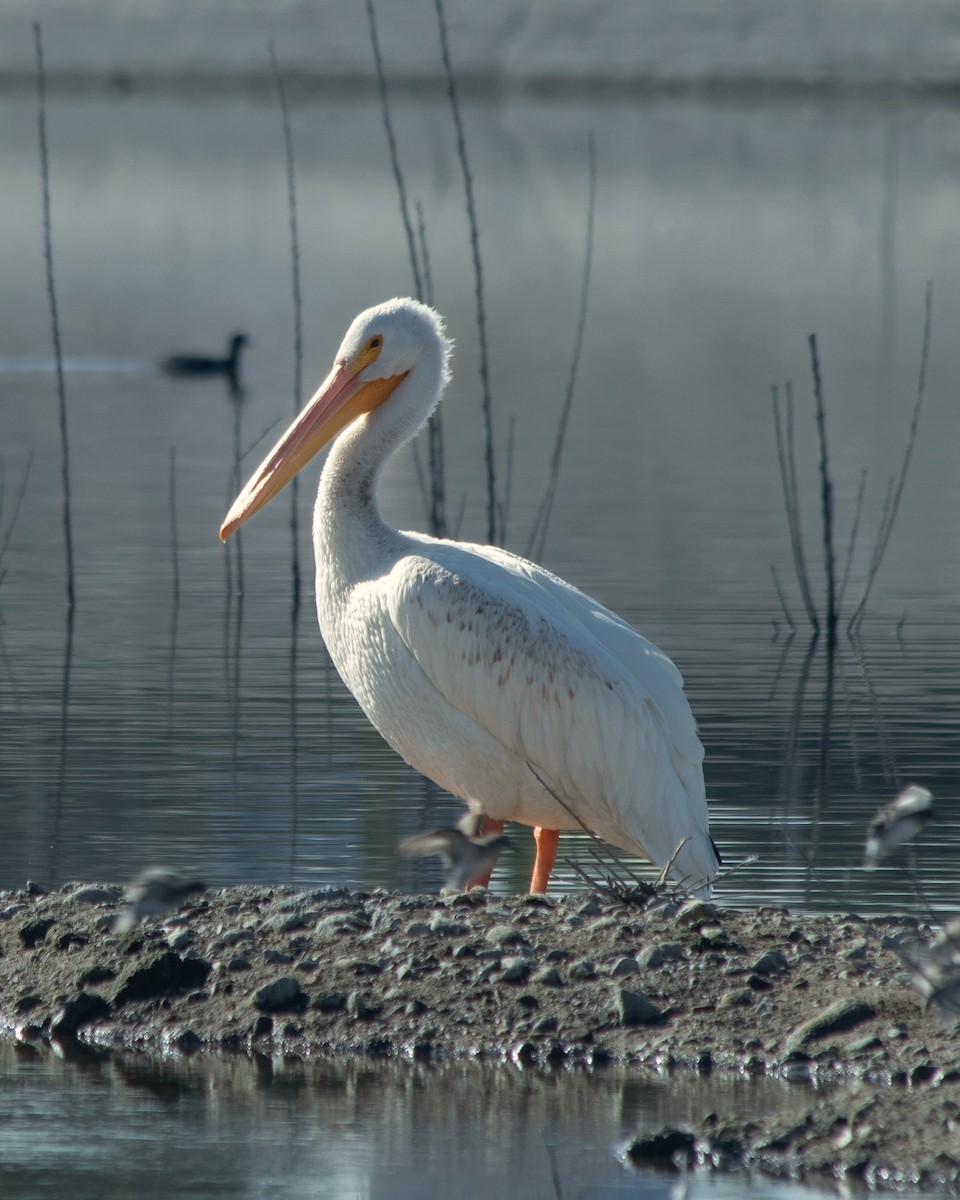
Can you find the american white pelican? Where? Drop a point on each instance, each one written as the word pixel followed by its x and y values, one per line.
pixel 467 852
pixel 502 683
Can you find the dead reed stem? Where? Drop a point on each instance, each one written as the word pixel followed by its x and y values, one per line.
pixel 52 304
pixel 424 254
pixel 895 495
pixel 826 493
pixel 854 531
pixel 175 604
pixel 435 445
pixel 55 820
pixel 55 823
pixel 538 535
pixel 786 453
pixel 783 599
pixel 235 484
pixel 783 425
pixel 394 152
pixel 432 482
pixel 250 447
pixel 297 305
pixel 503 504
pixel 493 532
pixel 294 748
pixel 17 502
pixel 554 1170
pixel 174 550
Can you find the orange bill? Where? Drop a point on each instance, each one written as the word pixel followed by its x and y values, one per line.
pixel 341 398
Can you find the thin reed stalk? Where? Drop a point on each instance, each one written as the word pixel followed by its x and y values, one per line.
pixel 493 532
pixel 503 505
pixel 913 871
pixel 783 599
pixel 435 445
pixel 174 550
pixel 854 532
pixel 786 454
pixel 297 400
pixel 394 152
pixel 875 707
pixel 175 572
pixel 235 482
pixel 783 425
pixel 234 664
pixel 826 492
pixel 249 449
pixel 294 754
pixel 432 481
pixel 11 693
pixel 424 248
pixel 538 534
pixel 297 305
pixel 4 543
pixel 554 1170
pixel 234 547
pixel 55 820
pixel 52 304
pixel 17 502
pixel 792 778
pixel 895 495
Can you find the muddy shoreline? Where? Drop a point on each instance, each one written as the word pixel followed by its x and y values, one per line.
pixel 566 982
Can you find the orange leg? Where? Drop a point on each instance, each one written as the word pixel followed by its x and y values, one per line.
pixel 487 825
pixel 547 840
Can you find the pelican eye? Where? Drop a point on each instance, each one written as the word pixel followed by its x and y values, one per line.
pixel 370 353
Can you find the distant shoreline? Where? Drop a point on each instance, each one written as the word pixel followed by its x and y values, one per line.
pixel 736 48
pixel 734 88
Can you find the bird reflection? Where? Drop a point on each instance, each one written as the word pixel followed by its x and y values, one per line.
pixel 896 823
pixel 157 890
pixel 466 853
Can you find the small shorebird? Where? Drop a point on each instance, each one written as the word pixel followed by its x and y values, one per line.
pixel 155 891
pixel 467 853
pixel 936 971
pixel 897 822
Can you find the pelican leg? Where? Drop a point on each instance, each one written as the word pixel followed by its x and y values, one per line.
pixel 547 840
pixel 487 825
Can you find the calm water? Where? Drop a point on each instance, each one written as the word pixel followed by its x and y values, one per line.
pixel 196 727
pixel 349 1131
pixel 179 721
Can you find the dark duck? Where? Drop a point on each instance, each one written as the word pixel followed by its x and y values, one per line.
pixel 205 364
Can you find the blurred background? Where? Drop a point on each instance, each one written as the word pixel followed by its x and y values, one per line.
pixel 763 172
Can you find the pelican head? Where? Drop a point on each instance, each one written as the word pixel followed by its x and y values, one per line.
pixel 389 340
pixel 382 348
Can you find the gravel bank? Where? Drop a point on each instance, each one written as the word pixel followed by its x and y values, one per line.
pixel 576 980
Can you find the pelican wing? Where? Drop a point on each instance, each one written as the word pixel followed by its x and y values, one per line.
pixel 563 684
